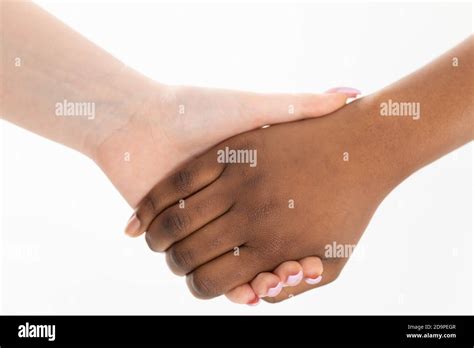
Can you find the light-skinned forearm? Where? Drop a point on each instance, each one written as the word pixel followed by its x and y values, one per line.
pixel 44 63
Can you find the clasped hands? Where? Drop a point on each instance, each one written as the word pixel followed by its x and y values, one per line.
pixel 239 209
pixel 253 232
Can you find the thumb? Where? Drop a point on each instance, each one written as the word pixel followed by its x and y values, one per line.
pixel 278 108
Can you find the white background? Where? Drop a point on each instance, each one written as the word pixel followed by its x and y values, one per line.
pixel 63 249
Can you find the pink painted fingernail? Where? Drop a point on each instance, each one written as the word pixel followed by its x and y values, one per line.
pixel 254 302
pixel 348 91
pixel 313 281
pixel 294 279
pixel 272 292
pixel 133 226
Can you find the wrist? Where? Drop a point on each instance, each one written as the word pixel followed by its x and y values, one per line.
pixel 413 126
pixel 128 96
pixel 384 152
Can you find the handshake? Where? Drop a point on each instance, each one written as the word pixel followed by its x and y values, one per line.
pixel 250 217
pixel 272 211
pixel 255 196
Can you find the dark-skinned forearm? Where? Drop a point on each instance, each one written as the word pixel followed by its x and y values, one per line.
pixel 443 90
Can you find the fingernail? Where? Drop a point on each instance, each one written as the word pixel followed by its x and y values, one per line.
pixel 313 281
pixel 254 302
pixel 348 91
pixel 133 225
pixel 272 292
pixel 294 279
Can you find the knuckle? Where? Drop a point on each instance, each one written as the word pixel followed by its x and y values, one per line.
pixel 174 224
pixel 180 260
pixel 150 203
pixel 151 242
pixel 202 286
pixel 183 180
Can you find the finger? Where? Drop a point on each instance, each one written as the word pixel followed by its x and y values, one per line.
pixel 266 109
pixel 348 91
pixel 290 273
pixel 184 182
pixel 331 272
pixel 243 294
pixel 226 272
pixel 211 241
pixel 182 219
pixel 312 269
pixel 266 284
